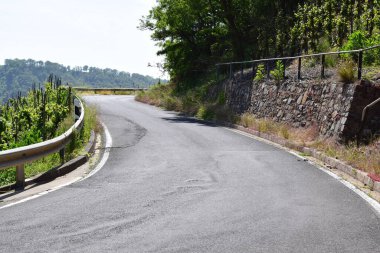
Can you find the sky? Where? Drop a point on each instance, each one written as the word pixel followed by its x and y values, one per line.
pixel 98 33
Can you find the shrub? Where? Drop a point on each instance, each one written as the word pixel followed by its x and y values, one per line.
pixel 346 71
pixel 278 72
pixel 359 40
pixel 205 113
pixel 356 40
pixel 260 73
pixel 171 103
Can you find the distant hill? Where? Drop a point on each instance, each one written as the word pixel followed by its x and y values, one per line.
pixel 19 75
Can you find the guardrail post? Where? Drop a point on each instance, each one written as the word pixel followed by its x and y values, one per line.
pixel 284 64
pixel 323 66
pixel 62 155
pixel 360 65
pixel 77 109
pixel 230 70
pixel 299 68
pixel 241 69
pixel 268 70
pixel 20 176
pixel 217 74
pixel 253 71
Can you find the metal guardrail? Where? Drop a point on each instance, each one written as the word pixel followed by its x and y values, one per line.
pixel 299 57
pixel 95 90
pixel 20 156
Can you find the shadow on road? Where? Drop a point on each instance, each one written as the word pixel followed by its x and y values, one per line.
pixel 184 119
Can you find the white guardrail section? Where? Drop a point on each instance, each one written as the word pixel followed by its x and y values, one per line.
pixel 20 156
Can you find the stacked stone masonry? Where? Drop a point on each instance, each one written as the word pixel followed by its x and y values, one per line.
pixel 335 108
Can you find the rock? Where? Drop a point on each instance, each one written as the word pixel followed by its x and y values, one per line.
pixel 299 100
pixel 304 98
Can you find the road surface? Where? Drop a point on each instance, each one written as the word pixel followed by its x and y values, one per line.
pixel 173 184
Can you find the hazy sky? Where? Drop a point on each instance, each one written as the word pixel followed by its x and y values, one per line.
pixel 100 33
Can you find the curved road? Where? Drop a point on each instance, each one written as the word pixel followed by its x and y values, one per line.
pixel 172 184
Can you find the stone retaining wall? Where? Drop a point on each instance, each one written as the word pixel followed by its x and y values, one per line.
pixel 335 108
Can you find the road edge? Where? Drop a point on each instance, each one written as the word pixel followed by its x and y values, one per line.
pixel 370 201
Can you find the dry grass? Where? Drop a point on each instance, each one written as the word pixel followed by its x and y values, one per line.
pixel 365 158
pixel 265 125
pixel 346 71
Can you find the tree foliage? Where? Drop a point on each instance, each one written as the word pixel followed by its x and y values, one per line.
pixel 334 20
pixel 196 34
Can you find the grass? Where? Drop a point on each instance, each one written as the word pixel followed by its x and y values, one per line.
pixel 72 150
pixel 346 72
pixel 195 103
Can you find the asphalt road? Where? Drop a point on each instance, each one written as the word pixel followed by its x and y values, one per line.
pixel 172 184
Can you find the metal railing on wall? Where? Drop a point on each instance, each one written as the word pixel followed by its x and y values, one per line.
pixel 231 67
pixel 18 157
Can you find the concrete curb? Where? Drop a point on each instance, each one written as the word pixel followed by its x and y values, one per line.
pixel 59 171
pixel 329 161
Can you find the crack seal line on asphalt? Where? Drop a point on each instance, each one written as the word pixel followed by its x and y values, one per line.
pixel 372 203
pixel 98 167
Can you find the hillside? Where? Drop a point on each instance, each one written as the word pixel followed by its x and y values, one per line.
pixel 19 75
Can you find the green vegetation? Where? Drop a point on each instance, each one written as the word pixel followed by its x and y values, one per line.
pixel 194 35
pixel 35 117
pixel 17 76
pixel 194 102
pixel 42 114
pixel 260 73
pixel 278 72
pixel 361 39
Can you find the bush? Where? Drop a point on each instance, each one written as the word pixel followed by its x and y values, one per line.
pixel 359 40
pixel 346 71
pixel 171 103
pixel 278 72
pixel 356 40
pixel 205 113
pixel 260 73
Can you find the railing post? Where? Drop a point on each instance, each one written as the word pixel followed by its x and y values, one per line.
pixel 284 64
pixel 217 73
pixel 323 66
pixel 62 155
pixel 230 70
pixel 20 176
pixel 299 68
pixel 268 70
pixel 360 65
pixel 241 69
pixel 253 71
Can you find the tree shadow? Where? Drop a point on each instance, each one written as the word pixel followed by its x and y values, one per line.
pixel 185 119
